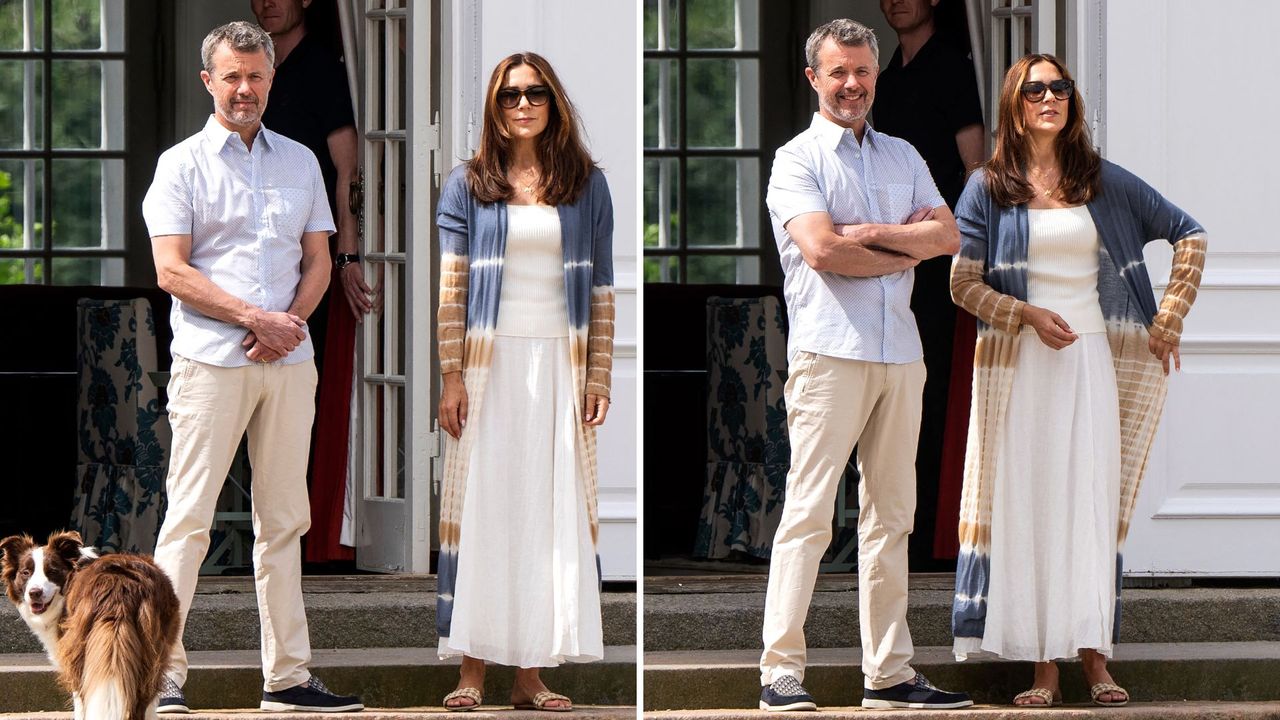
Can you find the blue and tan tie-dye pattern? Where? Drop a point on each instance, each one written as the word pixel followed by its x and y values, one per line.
pixel 473 241
pixel 989 279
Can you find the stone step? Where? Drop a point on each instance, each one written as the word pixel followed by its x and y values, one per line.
pixel 383 677
pixel 1133 711
pixel 1152 672
pixel 580 712
pixel 350 612
pixel 726 613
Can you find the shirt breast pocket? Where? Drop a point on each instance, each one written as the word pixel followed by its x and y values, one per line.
pixel 286 211
pixel 896 202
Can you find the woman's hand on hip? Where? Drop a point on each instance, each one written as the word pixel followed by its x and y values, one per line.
pixel 1049 325
pixel 1163 349
pixel 594 409
pixel 453 404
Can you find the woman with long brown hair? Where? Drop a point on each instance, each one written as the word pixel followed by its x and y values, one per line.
pixel 525 334
pixel 1070 375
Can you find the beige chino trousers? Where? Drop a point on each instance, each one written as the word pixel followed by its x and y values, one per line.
pixel 210 409
pixel 833 404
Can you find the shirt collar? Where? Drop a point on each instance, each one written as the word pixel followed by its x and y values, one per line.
pixel 831 134
pixel 218 136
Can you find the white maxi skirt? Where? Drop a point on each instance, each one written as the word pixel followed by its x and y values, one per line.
pixel 528 589
pixel 1055 506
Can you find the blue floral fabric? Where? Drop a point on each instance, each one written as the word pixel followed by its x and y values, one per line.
pixel 123 440
pixel 748 453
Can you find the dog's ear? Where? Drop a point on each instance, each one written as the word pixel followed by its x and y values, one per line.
pixel 67 545
pixel 12 548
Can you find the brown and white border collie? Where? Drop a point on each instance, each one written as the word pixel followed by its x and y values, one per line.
pixel 108 623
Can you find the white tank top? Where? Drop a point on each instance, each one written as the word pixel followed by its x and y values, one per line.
pixel 532 303
pixel 1062 266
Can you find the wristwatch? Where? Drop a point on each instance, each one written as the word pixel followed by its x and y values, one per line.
pixel 345 259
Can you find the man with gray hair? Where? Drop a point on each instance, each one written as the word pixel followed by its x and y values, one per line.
pixel 239 225
pixel 853 211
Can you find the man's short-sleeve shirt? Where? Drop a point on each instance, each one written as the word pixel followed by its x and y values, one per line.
pixel 883 180
pixel 246 211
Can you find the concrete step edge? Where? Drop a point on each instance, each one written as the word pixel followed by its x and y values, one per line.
pixel 383 677
pixel 1152 672
pixel 580 712
pixel 201 660
pixel 1133 711
pixel 687 660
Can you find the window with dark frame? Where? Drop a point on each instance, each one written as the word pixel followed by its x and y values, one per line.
pixel 62 142
pixel 703 163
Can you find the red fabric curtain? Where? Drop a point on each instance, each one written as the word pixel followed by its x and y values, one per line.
pixel 946 541
pixel 333 415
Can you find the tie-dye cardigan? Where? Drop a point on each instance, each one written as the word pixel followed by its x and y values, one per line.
pixel 473 242
pixel 989 279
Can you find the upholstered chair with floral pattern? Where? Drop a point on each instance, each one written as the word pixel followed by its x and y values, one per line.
pixel 123 435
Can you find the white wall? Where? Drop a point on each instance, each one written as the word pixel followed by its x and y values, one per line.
pixel 594 48
pixel 1184 110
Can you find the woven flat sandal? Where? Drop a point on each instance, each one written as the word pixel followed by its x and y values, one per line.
pixel 540 702
pixel 470 693
pixel 1102 687
pixel 1043 693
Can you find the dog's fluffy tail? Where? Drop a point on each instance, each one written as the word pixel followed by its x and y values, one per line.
pixel 114 672
pixel 123 623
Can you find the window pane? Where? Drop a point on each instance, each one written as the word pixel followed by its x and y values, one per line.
pixel 723 24
pixel 661 193
pixel 77 104
pixel 724 269
pixel 718 89
pixel 396 99
pixel 712 24
pixel 17 271
pixel 672 21
pixel 650 24
pixel 723 202
pixel 661 107
pixel 77 25
pixel 21 105
pixel 79 219
pixel 374 36
pixel 13 22
pixel 11 26
pixel 88 271
pixel 661 269
pixel 21 204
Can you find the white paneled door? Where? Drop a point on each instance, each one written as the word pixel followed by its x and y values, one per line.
pixel 394 441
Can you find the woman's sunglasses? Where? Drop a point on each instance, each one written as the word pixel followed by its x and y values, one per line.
pixel 1035 91
pixel 537 95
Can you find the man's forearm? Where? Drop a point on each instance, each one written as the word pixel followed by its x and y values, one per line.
pixel 311 289
pixel 343 149
pixel 856 260
pixel 922 240
pixel 194 289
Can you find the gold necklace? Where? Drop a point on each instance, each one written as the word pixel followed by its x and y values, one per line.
pixel 1045 190
pixel 528 185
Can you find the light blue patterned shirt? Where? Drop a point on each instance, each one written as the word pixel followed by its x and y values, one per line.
pixel 246 212
pixel 883 181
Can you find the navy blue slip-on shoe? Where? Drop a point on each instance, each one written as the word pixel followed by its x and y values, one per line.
pixel 785 694
pixel 172 701
pixel 921 695
pixel 310 696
